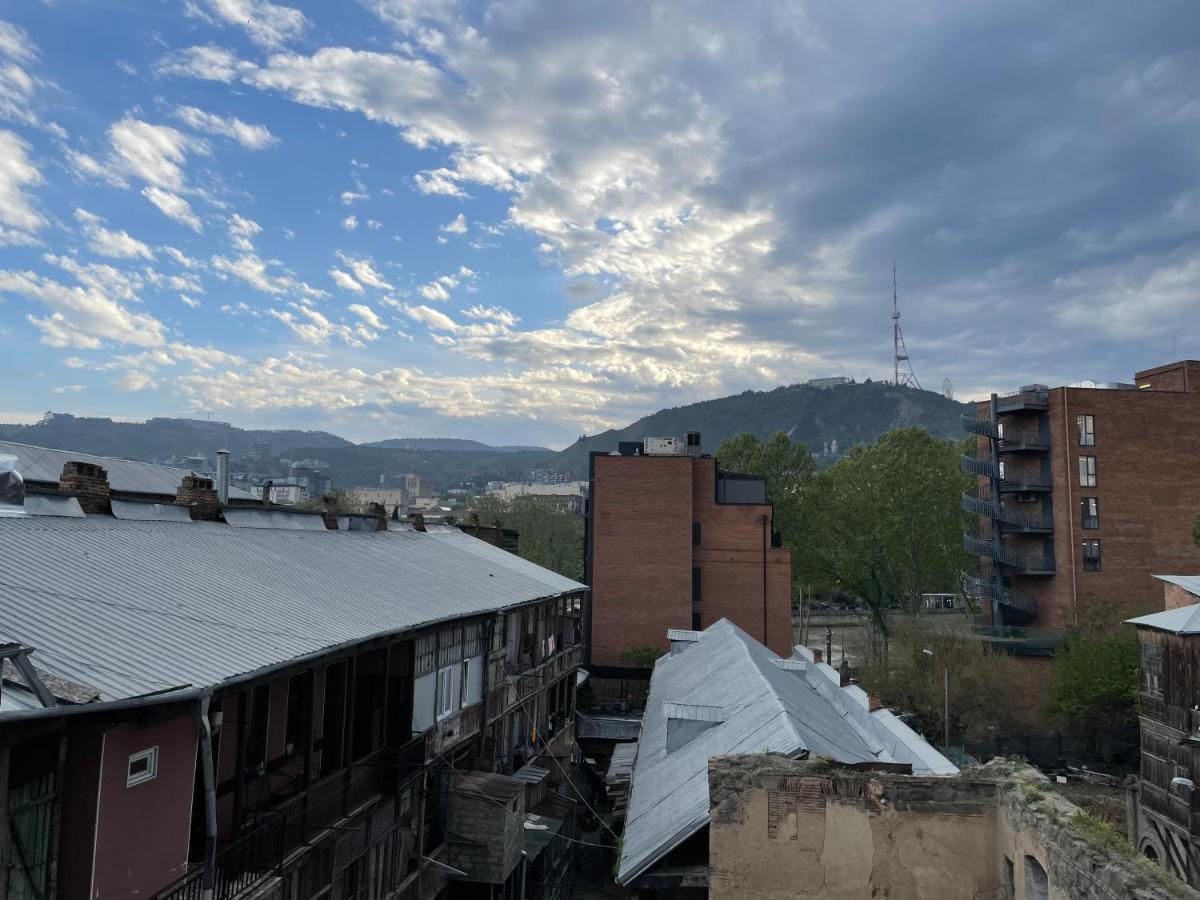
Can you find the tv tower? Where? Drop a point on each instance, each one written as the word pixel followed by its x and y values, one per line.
pixel 902 372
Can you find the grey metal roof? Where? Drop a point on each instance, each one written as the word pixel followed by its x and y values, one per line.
pixel 133 607
pixel 45 464
pixel 1182 619
pixel 766 709
pixel 610 728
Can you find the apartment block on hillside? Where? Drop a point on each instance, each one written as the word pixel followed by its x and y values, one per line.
pixel 1084 492
pixel 675 543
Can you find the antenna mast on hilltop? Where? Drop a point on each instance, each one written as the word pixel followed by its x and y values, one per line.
pixel 902 373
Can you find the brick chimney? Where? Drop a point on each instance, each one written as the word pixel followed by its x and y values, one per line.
pixel 199 495
pixel 844 673
pixel 329 511
pixel 874 702
pixel 417 520
pixel 379 512
pixel 89 483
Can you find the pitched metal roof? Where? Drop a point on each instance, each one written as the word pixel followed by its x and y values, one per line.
pixel 133 607
pixel 1182 619
pixel 45 464
pixel 766 709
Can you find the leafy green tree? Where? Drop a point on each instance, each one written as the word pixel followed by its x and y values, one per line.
pixel 550 534
pixel 1095 681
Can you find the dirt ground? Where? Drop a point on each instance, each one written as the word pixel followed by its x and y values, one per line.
pixel 1104 802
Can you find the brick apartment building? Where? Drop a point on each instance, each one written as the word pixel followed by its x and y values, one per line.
pixel 1084 492
pixel 675 543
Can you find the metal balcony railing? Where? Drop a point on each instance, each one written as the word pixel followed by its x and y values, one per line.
pixel 975 425
pixel 1030 563
pixel 1017 481
pixel 1015 400
pixel 981 503
pixel 1012 441
pixel 984 467
pixel 985 589
pixel 978 503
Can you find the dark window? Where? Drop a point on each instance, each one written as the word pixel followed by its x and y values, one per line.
pixel 426 654
pixel 1091 555
pixel 333 726
pixel 256 736
pixel 1087 471
pixel 1089 510
pixel 695 621
pixel 472 639
pixel 299 709
pixel 1086 427
pixel 695 534
pixel 696 585
pixel 370 678
pixel 1152 669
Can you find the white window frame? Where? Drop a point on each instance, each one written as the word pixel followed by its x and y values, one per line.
pixel 445 698
pixel 150 754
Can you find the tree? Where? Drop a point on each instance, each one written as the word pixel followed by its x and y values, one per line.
pixel 1095 681
pixel 550 534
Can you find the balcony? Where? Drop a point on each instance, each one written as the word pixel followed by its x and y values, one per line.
pixel 1023 563
pixel 280 830
pixel 516 688
pixel 975 425
pixel 980 503
pixel 453 729
pixel 1016 481
pixel 1014 441
pixel 1015 607
pixel 1016 401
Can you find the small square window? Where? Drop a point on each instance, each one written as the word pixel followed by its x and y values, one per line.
pixel 143 766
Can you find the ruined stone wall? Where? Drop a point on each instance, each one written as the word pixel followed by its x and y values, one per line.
pixel 785 828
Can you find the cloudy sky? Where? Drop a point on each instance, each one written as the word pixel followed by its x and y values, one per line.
pixel 523 220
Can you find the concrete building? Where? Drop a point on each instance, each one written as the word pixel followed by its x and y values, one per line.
pixel 1166 826
pixel 720 692
pixel 200 699
pixel 388 498
pixel 784 828
pixel 1084 491
pixel 417 487
pixel 673 542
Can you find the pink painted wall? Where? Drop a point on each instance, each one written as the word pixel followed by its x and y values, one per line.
pixel 142 831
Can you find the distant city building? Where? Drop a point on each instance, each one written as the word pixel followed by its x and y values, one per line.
pixel 417 486
pixel 673 542
pixel 836 381
pixel 389 498
pixel 575 492
pixel 309 474
pixel 261 450
pixel 287 494
pixel 1083 494
pixel 548 476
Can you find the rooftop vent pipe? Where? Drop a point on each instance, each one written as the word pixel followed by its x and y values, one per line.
pixel 223 477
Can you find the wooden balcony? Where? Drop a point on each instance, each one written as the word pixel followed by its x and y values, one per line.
pixel 453 730
pixel 516 689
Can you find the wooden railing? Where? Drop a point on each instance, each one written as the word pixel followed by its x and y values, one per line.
pixel 518 688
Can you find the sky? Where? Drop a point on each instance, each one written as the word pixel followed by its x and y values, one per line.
pixel 522 221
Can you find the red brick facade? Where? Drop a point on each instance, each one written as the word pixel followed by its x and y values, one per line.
pixel 644 516
pixel 1147 443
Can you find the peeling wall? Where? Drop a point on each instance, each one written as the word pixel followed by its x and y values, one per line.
pixel 784 828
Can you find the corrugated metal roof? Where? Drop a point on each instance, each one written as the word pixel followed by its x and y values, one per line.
pixel 46 464
pixel 1182 619
pixel 136 607
pixel 768 709
pixel 611 728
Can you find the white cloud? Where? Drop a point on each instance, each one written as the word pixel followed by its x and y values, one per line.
pixel 252 137
pixel 17 175
pixel 134 381
pixel 368 315
pixel 88 168
pixel 364 271
pixel 439 182
pixel 457 226
pixel 267 24
pixel 173 207
pixel 349 198
pixel 492 313
pixel 313 327
pixel 344 281
pixel 431 317
pixel 241 232
pixel 288 234
pixel 87 314
pixel 435 290
pixel 16 44
pixel 180 257
pixel 115 244
pixel 189 301
pixel 374 224
pixel 350 223
pixel 69 388
pixel 154 153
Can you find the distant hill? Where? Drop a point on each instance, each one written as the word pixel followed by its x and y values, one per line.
pixel 158 440
pixel 850 414
pixel 361 466
pixel 459 444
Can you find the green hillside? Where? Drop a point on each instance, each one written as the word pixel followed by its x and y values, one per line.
pixel 456 444
pixel 850 414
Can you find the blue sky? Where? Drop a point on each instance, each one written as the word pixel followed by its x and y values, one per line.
pixel 521 221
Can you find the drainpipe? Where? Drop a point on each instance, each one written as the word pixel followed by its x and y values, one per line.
pixel 1067 457
pixel 524 871
pixel 764 571
pixel 223 476
pixel 208 881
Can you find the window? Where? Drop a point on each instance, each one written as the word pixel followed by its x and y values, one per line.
pixel 450 646
pixel 256 745
pixel 1091 555
pixel 463 681
pixel 299 710
pixel 445 692
pixel 472 639
pixel 143 766
pixel 696 585
pixel 1152 669
pixel 1086 427
pixel 426 653
pixel 1089 511
pixel 695 534
pixel 1087 471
